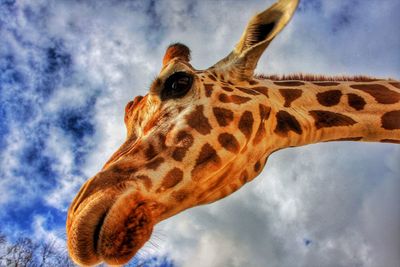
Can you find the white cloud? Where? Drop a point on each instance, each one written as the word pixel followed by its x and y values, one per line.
pixel 9 160
pixel 42 234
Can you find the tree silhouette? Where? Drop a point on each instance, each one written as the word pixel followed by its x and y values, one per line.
pixel 24 252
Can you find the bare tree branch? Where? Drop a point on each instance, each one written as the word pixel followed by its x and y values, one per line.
pixel 26 253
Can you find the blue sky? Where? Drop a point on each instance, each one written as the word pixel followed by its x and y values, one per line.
pixel 67 69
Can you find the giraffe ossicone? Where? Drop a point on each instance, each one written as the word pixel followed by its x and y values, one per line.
pixel 200 135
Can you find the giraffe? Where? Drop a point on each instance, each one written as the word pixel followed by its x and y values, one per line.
pixel 200 135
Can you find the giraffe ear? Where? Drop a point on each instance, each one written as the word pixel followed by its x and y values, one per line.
pixel 260 31
pixel 176 50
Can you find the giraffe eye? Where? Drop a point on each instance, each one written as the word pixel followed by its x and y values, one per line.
pixel 177 85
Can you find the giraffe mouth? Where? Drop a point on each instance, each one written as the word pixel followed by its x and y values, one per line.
pixel 110 229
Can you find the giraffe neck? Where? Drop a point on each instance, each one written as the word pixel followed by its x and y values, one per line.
pixel 311 112
pixel 297 113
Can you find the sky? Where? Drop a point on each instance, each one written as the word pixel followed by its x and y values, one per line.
pixel 67 69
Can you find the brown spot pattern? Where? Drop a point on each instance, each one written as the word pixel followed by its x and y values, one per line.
pixel 123 170
pixel 161 139
pixel 208 89
pixel 285 123
pixel 224 98
pixel 198 121
pixel 290 95
pixel 395 84
pixel 207 153
pixel 146 181
pixel 186 139
pixel 330 119
pixel 289 83
pixel 356 101
pixel 154 163
pixel 246 123
pixel 212 77
pixel 257 166
pixel 253 82
pixel 264 112
pixel 326 83
pixel 184 142
pixel 207 156
pixel 179 153
pixel 224 116
pixel 264 115
pixel 171 179
pixel 150 152
pixel 180 195
pixel 381 93
pixel 329 98
pixel 233 99
pixel 226 88
pixel 248 91
pixel 391 120
pixel 229 142
pixel 261 89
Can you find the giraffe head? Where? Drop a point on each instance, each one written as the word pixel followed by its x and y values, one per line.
pixel 189 141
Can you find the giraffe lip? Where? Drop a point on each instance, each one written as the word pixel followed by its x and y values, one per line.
pixel 86 224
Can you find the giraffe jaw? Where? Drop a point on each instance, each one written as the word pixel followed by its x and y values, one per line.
pixel 109 229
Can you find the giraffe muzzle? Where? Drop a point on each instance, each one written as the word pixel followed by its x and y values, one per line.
pixel 108 227
pixel 126 228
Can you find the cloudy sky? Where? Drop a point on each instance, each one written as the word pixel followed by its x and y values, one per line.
pixel 67 69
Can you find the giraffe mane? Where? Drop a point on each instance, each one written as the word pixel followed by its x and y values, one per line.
pixel 317 78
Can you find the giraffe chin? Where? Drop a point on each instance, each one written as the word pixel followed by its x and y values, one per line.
pixel 125 229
